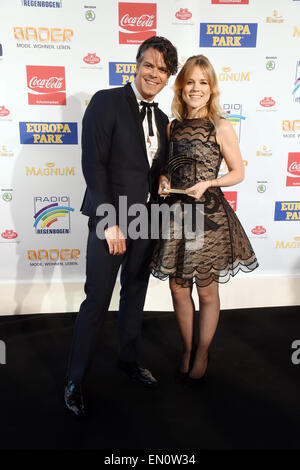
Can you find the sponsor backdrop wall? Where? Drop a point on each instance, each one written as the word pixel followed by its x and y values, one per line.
pixel 54 55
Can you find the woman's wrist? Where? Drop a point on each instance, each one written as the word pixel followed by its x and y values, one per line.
pixel 214 183
pixel 163 178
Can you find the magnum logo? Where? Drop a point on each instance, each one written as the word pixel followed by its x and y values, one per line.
pixel 227 75
pixel 50 170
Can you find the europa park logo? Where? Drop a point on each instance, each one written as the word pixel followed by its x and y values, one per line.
pixel 137 22
pixel 228 34
pixel 46 85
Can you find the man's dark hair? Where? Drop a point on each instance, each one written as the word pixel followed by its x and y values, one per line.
pixel 164 46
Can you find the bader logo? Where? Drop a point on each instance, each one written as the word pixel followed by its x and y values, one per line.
pixel 42 36
pixel 137 22
pixel 121 73
pixel 64 133
pixel 53 257
pixel 57 212
pixel 228 34
pixel 47 85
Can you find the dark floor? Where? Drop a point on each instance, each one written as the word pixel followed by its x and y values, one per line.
pixel 250 400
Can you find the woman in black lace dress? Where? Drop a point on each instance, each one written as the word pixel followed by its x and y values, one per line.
pixel 199 139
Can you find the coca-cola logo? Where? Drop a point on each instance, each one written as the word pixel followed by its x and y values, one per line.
pixel 4 111
pixel 137 22
pixel 144 21
pixel 267 102
pixel 294 168
pixel 258 230
pixel 46 84
pixel 231 197
pixel 183 14
pixel 91 59
pixel 9 234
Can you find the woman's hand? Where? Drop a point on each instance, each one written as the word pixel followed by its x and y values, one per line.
pixel 163 184
pixel 198 189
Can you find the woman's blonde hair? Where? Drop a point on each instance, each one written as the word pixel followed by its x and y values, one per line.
pixel 179 108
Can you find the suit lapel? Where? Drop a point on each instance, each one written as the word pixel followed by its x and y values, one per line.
pixel 135 111
pixel 161 129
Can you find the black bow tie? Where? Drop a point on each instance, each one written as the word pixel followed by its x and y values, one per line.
pixel 148 106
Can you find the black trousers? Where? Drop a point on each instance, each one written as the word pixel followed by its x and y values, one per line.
pixel 101 272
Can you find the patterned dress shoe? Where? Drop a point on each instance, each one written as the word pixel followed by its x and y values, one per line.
pixel 138 373
pixel 74 399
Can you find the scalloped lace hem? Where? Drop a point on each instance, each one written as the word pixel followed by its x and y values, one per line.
pixel 205 278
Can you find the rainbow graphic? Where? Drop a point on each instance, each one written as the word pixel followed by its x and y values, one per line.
pixel 297 86
pixel 48 215
pixel 235 120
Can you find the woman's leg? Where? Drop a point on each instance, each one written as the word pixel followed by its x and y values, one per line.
pixel 209 303
pixel 184 310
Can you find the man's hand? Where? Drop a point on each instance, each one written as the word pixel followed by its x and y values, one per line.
pixel 115 240
pixel 163 184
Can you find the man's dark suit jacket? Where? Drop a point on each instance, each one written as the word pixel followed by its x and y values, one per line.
pixel 114 157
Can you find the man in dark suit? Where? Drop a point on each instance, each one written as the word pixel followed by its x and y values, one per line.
pixel 124 148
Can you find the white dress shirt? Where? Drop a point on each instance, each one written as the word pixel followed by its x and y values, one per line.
pixel 152 142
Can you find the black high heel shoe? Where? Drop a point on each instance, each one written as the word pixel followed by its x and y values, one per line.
pixel 198 381
pixel 183 376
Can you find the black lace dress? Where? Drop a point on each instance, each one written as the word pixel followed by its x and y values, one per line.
pixel 225 248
